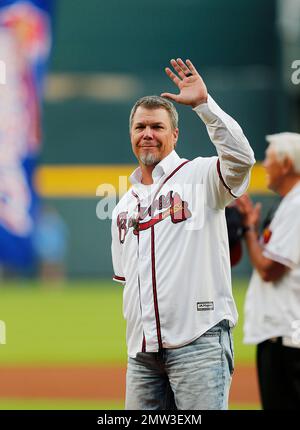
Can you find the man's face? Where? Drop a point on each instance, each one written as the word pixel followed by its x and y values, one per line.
pixel 274 170
pixel 152 136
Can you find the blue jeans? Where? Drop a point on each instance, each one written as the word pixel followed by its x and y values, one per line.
pixel 196 376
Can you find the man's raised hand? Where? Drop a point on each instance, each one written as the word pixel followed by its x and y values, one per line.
pixel 193 91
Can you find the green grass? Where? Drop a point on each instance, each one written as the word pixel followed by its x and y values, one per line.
pixel 80 322
pixel 244 354
pixel 50 404
pixel 244 407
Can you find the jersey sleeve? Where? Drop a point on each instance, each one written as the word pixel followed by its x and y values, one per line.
pixel 284 244
pixel 218 195
pixel 116 252
pixel 229 175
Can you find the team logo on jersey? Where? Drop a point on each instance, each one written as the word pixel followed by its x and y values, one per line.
pixel 168 206
pixel 266 235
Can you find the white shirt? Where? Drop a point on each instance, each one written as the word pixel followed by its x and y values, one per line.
pixel 272 309
pixel 176 270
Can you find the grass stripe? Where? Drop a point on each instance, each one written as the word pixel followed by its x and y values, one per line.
pixel 50 404
pixel 80 322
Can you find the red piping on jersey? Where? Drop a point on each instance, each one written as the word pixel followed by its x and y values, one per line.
pixel 135 194
pixel 222 180
pixel 158 329
pixel 154 289
pixel 119 278
pixel 138 240
pixel 144 343
pixel 170 176
pixel 167 178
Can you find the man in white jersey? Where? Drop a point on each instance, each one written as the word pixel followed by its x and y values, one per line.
pixel 170 250
pixel 272 308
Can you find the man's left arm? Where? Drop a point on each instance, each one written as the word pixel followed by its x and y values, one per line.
pixel 283 246
pixel 235 156
pixel 281 253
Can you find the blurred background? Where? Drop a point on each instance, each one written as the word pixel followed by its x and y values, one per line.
pixel 73 71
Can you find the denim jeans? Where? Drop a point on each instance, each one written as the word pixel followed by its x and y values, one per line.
pixel 196 376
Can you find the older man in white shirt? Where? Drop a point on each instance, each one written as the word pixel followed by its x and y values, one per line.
pixel 272 308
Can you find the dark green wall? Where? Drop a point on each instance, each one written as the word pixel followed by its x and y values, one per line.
pixel 139 35
pixel 91 132
pixel 89 238
pixel 234 45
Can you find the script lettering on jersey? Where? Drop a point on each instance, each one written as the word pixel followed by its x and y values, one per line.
pixel 163 207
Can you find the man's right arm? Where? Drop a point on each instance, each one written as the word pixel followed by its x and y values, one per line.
pixel 273 259
pixel 116 252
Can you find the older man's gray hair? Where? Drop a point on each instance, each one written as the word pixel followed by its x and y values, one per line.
pixel 286 145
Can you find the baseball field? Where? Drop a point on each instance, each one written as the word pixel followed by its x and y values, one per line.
pixel 65 347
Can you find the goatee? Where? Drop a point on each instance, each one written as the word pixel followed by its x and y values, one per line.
pixel 149 159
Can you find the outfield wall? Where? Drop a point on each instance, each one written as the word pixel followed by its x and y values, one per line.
pixel 107 54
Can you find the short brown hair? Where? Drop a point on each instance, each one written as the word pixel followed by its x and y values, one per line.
pixel 156 102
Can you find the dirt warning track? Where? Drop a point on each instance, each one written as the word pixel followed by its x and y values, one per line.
pixel 96 382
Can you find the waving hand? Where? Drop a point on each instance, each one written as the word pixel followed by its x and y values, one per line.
pixel 192 89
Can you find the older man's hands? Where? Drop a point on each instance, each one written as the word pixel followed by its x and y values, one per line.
pixel 250 212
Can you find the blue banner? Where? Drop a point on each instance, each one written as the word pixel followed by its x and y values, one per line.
pixel 25 34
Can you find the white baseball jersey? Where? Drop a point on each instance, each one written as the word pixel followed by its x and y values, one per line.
pixel 170 242
pixel 272 309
